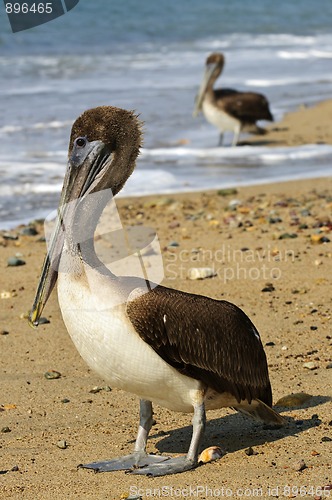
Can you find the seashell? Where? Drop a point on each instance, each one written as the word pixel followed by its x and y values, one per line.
pixel 52 374
pixel 200 273
pixel 210 454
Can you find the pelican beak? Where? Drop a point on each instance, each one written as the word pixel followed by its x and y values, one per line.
pixel 86 165
pixel 210 68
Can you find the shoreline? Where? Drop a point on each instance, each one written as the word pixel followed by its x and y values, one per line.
pixel 305 126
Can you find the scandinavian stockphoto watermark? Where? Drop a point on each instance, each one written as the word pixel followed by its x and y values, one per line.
pixel 27 14
pixel 131 251
pixel 229 263
pixel 205 491
pixel 135 252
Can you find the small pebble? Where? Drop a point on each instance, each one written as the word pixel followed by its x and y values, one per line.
pixel 174 225
pixel 274 220
pixel 285 236
pixel 4 332
pixel 5 430
pixel 29 231
pixel 200 273
pixel 8 236
pixel 319 238
pixel 95 389
pixel 62 444
pixel 233 204
pixel 310 365
pixel 98 388
pixel 299 466
pixel 269 344
pixel 135 497
pixel 15 468
pixel 305 212
pixel 52 374
pixel 227 191
pixel 326 439
pixel 173 244
pixel 291 400
pixel 268 288
pixel 250 451
pixel 43 321
pixel 328 366
pixel 313 328
pixel 65 400
pixel 15 261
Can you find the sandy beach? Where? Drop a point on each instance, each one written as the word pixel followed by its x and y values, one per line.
pixel 270 248
pixel 306 125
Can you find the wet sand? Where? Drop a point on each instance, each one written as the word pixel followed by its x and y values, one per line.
pixel 271 249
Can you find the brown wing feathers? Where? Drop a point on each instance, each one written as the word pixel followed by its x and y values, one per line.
pixel 246 106
pixel 210 340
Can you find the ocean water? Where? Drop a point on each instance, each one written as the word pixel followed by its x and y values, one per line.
pixel 149 56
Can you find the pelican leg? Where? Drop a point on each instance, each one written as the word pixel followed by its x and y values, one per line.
pixel 183 463
pixel 221 139
pixel 139 458
pixel 236 136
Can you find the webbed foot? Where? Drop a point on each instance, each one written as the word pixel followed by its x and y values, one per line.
pixel 128 462
pixel 170 466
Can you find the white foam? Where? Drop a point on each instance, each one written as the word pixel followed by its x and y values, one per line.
pixel 54 124
pixel 255 152
pixel 157 181
pixel 293 54
pixel 29 188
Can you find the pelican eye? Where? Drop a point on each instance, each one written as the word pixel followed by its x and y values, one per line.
pixel 80 142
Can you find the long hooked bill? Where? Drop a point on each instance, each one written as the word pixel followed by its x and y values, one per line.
pixel 84 172
pixel 200 96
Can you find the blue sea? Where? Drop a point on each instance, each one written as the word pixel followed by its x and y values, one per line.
pixel 149 56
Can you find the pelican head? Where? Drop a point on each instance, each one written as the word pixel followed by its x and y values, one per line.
pixel 213 67
pixel 103 148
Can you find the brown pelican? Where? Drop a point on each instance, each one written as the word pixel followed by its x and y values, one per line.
pixel 229 109
pixel 186 352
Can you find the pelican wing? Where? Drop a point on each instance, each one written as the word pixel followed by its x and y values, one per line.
pixel 206 339
pixel 246 106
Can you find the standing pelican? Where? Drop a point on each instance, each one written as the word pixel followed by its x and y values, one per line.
pixel 229 109
pixel 186 352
